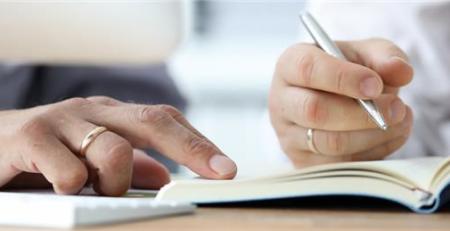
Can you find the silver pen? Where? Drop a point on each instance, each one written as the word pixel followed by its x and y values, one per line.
pixel 325 43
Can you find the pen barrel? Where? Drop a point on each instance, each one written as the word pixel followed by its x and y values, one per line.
pixel 372 109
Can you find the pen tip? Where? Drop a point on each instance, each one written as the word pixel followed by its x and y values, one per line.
pixel 384 127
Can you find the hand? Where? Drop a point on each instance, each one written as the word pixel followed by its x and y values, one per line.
pixel 46 141
pixel 312 89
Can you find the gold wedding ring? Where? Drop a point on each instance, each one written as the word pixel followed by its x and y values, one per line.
pixel 89 138
pixel 310 140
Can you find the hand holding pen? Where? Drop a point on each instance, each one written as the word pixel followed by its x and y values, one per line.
pixel 327 109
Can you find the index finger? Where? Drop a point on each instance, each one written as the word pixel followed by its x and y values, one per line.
pixel 152 126
pixel 308 66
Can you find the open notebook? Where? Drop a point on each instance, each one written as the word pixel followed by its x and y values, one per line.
pixel 416 183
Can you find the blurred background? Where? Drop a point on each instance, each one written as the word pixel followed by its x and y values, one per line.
pixel 223 65
pixel 224 68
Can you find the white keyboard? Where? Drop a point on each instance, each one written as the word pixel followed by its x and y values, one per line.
pixel 50 210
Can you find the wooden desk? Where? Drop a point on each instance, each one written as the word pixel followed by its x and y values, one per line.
pixel 285 219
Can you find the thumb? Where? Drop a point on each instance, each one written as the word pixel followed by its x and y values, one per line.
pixel 147 172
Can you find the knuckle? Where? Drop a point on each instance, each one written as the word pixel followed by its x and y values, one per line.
pixel 280 129
pixel 35 127
pixel 287 146
pixel 301 48
pixel 71 181
pixel 196 148
pixel 293 53
pixel 103 100
pixel 305 64
pixel 337 142
pixel 312 111
pixel 279 65
pixel 171 110
pixel 341 72
pixel 76 102
pixel 152 115
pixel 287 54
pixel 276 106
pixel 284 136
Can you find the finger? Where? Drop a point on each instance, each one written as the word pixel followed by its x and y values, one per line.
pixel 172 111
pixel 175 113
pixel 382 151
pixel 149 126
pixel 108 101
pixel 382 56
pixel 109 156
pixel 391 90
pixel 147 172
pixel 180 119
pixel 336 143
pixel 307 159
pixel 307 66
pixel 325 111
pixel 47 155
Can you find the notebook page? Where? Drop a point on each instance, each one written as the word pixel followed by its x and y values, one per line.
pixel 418 170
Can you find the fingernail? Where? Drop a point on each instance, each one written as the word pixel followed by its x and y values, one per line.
pixel 397 108
pixel 397 58
pixel 222 165
pixel 369 87
pixel 400 59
